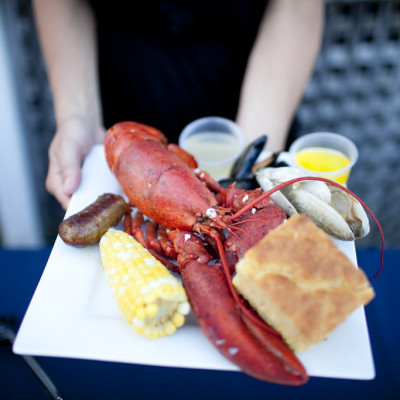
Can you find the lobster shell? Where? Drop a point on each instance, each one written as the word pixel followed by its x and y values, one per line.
pixel 154 179
pixel 162 186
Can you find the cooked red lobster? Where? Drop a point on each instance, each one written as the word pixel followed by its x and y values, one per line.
pixel 206 228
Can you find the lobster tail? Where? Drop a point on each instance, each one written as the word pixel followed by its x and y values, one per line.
pixel 121 135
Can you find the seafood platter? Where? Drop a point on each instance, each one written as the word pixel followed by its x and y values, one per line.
pixel 156 263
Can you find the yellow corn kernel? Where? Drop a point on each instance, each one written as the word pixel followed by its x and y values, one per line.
pixel 150 298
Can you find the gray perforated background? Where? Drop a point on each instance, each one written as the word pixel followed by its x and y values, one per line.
pixel 355 91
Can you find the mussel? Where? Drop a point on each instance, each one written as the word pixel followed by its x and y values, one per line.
pixel 242 168
pixel 243 172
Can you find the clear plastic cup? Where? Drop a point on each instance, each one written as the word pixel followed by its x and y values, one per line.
pixel 215 143
pixel 325 154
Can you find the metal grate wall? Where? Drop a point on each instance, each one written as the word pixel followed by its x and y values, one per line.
pixel 355 91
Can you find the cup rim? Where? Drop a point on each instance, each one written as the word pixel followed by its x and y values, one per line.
pixel 231 124
pixel 293 149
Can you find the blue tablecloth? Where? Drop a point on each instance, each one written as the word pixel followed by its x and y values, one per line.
pixel 20 272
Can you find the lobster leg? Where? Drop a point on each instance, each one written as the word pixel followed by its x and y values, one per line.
pixel 256 353
pixel 186 157
pixel 128 220
pixel 166 245
pixel 137 231
pixel 209 181
pixel 152 240
pixel 153 247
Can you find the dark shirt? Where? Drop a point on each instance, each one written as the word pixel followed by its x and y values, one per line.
pixel 166 63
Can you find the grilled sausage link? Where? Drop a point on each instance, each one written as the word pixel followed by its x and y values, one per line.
pixel 88 226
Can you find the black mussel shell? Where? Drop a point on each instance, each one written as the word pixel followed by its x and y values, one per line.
pixel 241 169
pixel 245 184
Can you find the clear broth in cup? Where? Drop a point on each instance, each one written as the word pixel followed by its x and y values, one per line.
pixel 215 143
pixel 210 146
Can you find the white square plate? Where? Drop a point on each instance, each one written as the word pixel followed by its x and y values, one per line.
pixel 73 314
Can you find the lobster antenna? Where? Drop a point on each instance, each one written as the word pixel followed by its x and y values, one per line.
pixel 256 320
pixel 266 194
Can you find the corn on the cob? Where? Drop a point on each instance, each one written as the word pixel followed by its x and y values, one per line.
pixel 150 298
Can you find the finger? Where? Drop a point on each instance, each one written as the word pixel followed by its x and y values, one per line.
pixel 63 199
pixel 71 180
pixel 54 185
pixel 71 171
pixel 64 174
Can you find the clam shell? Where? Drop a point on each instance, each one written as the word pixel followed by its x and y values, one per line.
pixel 332 209
pixel 278 198
pixel 323 215
pixel 351 211
pixel 284 174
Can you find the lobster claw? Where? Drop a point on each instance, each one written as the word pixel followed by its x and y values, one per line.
pixel 222 323
pixel 255 351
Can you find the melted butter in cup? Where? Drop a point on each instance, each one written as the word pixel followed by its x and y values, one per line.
pixel 325 154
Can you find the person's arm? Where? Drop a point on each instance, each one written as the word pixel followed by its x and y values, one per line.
pixel 279 67
pixel 66 31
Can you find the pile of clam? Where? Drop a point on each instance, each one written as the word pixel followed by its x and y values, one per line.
pixel 335 211
pixel 332 209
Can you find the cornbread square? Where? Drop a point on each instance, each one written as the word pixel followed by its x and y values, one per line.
pixel 300 282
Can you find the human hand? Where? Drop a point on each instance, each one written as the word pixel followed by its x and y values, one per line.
pixel 71 143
